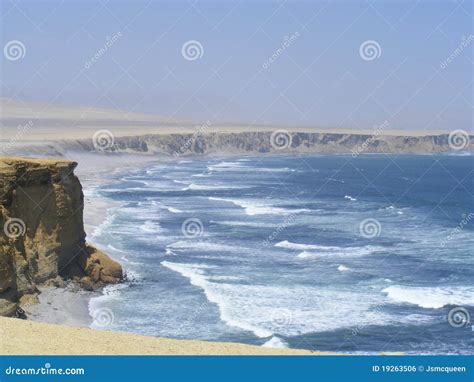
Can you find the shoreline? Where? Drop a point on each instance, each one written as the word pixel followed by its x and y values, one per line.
pixel 66 306
pixel 70 304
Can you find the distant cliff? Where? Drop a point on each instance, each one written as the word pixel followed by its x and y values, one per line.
pixel 41 233
pixel 261 142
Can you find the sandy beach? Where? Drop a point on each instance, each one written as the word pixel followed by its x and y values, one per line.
pixel 33 338
pixel 62 306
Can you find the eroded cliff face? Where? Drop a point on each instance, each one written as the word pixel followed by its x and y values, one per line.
pixel 42 234
pixel 204 142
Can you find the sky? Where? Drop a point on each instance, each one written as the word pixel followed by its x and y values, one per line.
pixel 350 64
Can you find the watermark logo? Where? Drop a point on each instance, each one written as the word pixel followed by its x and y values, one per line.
pixel 280 139
pixel 110 41
pixel 21 131
pixel 466 219
pixel 458 139
pixel 191 140
pixel 282 317
pixel 192 228
pixel 370 228
pixel 459 317
pixel 14 50
pixel 103 317
pixel 192 50
pixel 465 41
pixel 287 42
pixel 281 227
pixel 377 131
pixel 103 140
pixel 370 50
pixel 14 228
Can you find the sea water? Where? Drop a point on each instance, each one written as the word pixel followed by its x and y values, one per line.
pixel 360 254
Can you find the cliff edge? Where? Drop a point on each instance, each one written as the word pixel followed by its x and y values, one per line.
pixel 42 235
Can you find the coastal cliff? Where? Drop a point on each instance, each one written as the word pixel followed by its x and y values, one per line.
pixel 42 238
pixel 203 142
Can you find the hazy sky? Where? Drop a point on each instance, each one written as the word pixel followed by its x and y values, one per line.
pixel 416 72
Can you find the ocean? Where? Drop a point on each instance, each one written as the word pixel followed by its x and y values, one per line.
pixel 364 254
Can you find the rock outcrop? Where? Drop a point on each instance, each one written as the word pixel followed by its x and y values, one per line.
pixel 42 235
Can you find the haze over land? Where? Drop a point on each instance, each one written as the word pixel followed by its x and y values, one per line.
pixel 343 65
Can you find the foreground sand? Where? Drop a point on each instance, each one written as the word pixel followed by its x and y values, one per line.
pixel 35 338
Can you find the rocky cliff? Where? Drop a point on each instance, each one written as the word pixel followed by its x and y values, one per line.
pixel 41 234
pixel 204 142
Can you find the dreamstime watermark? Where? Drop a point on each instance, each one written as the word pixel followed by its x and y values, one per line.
pixel 14 228
pixel 110 41
pixel 377 131
pixel 190 141
pixel 47 369
pixel 287 42
pixel 458 139
pixel 103 140
pixel 192 50
pixel 370 228
pixel 281 227
pixel 358 328
pixel 465 41
pixel 459 317
pixel 370 50
pixel 103 317
pixel 466 219
pixel 14 50
pixel 192 228
pixel 280 139
pixel 21 131
pixel 281 317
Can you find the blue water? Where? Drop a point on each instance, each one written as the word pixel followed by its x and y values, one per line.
pixel 279 251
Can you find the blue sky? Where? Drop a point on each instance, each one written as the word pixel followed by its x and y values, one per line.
pixel 319 79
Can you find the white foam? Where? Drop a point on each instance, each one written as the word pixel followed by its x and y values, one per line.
pixel 237 166
pixel 170 209
pixel 99 304
pixel 289 245
pixel 225 166
pixel 275 342
pixel 151 227
pixel 110 246
pixel 340 251
pixel 98 231
pixel 336 180
pixel 287 310
pixel 431 297
pixel 252 208
pixel 244 224
pixel 323 251
pixel 350 198
pixel 195 274
pixel 203 246
pixel 210 187
pixel 305 255
pixel 180 182
pixel 343 268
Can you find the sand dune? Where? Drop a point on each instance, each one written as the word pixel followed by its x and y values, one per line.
pixel 54 122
